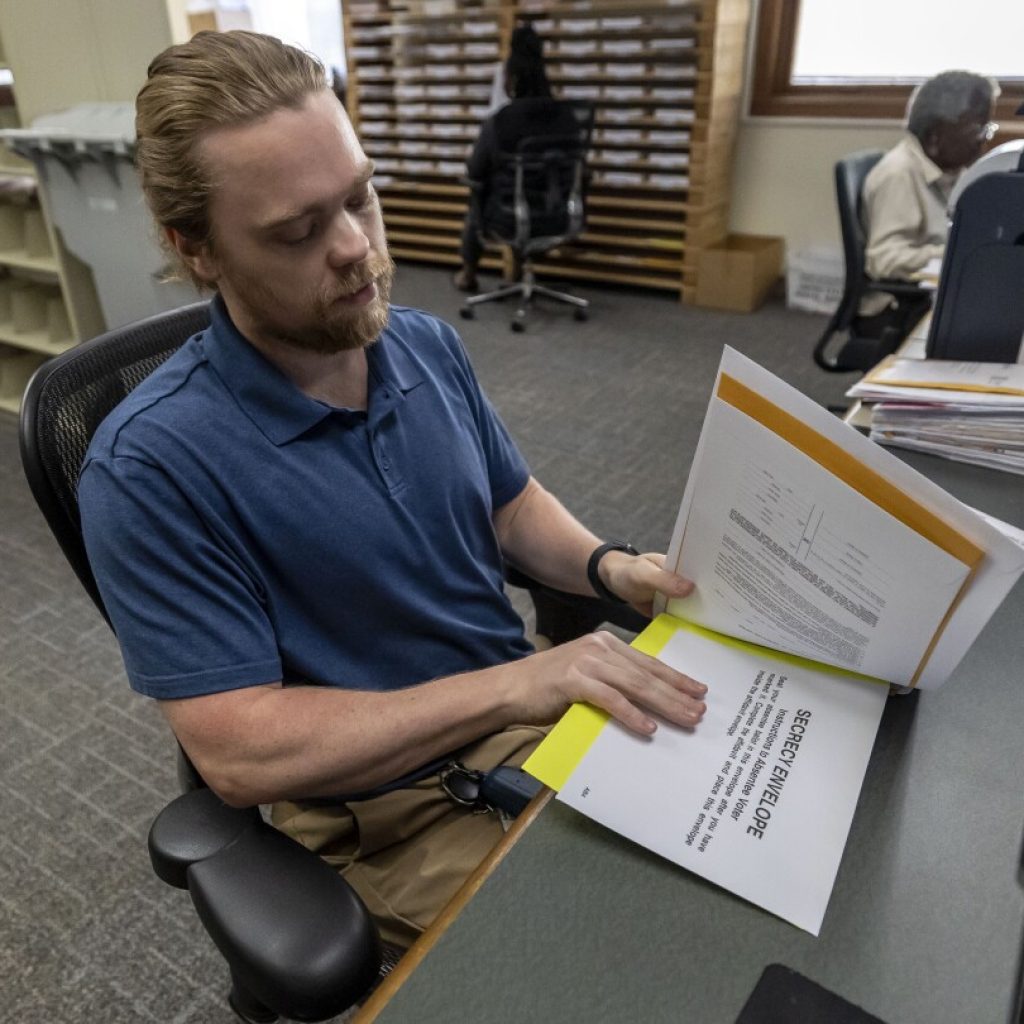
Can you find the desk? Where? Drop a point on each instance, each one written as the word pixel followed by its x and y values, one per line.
pixel 925 922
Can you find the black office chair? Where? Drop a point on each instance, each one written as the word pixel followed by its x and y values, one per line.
pixel 858 353
pixel 298 940
pixel 534 202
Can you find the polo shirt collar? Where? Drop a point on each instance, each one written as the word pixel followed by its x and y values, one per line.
pixel 273 402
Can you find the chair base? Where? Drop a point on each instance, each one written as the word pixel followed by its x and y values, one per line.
pixel 526 289
pixel 246 1007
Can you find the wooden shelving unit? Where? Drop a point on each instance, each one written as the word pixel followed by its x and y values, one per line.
pixel 419 87
pixel 665 79
pixel 34 320
pixel 60 53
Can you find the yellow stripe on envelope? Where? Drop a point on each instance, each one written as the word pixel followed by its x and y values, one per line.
pixel 878 376
pixel 557 756
pixel 554 761
pixel 840 463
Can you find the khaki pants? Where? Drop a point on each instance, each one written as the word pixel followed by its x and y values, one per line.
pixel 407 852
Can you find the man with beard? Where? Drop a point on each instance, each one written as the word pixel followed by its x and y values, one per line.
pixel 298 522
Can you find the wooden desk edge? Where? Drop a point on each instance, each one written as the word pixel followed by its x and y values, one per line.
pixel 423 945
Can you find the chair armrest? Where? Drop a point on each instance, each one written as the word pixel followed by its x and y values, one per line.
pixel 562 616
pixel 192 828
pixel 893 287
pixel 292 930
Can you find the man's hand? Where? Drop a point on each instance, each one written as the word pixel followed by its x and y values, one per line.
pixel 604 671
pixel 636 579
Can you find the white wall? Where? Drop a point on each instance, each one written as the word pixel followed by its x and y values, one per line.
pixel 64 52
pixel 782 178
pixel 783 170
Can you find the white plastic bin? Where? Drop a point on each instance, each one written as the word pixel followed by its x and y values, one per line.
pixel 815 276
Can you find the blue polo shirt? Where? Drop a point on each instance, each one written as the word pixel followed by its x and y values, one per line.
pixel 242 532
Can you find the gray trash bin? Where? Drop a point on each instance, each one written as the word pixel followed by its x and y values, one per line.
pixel 83 158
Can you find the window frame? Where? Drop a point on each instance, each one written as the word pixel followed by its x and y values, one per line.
pixel 772 93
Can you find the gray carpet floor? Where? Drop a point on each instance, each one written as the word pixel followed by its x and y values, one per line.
pixel 607 413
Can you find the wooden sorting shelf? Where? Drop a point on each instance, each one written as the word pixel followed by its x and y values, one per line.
pixel 665 80
pixel 24 240
pixel 33 316
pixel 16 367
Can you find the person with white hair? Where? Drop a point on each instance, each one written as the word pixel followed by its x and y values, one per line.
pixel 905 196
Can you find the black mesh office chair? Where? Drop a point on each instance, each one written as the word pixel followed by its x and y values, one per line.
pixel 533 203
pixel 298 941
pixel 858 353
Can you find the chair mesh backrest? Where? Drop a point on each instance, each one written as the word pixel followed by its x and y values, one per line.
pixel 583 112
pixel 551 167
pixel 539 190
pixel 851 173
pixel 548 164
pixel 70 396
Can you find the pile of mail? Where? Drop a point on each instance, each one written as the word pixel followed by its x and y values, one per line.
pixel 971 412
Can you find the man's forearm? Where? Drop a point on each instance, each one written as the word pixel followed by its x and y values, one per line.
pixel 263 743
pixel 542 538
pixel 898 258
pixel 268 743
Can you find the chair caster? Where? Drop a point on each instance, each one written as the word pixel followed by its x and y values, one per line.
pixel 517 326
pixel 467 313
pixel 580 315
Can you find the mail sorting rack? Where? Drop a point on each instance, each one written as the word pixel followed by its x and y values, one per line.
pixel 665 79
pixel 47 298
pixel 34 323
pixel 420 82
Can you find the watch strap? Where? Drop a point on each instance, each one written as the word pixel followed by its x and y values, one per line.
pixel 592 563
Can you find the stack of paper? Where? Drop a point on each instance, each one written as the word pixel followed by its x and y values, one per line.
pixel 970 412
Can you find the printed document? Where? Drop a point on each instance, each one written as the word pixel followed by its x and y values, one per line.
pixel 760 796
pixel 825 569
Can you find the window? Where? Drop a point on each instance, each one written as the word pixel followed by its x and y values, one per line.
pixel 820 58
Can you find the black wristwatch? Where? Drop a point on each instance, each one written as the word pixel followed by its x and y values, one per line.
pixel 595 580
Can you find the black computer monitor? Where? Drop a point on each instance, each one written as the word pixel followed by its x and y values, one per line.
pixel 979 305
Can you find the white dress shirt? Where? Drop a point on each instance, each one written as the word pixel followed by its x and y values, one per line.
pixel 904 213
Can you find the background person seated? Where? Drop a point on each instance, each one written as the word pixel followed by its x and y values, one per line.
pixel 949 119
pixel 531 111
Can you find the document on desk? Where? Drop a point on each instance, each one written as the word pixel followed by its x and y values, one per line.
pixel 967 411
pixel 825 568
pixel 944 381
pixel 760 796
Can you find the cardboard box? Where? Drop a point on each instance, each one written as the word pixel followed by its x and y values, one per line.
pixel 739 272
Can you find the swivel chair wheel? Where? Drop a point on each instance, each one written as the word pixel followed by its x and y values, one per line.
pixel 579 315
pixel 518 326
pixel 467 313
